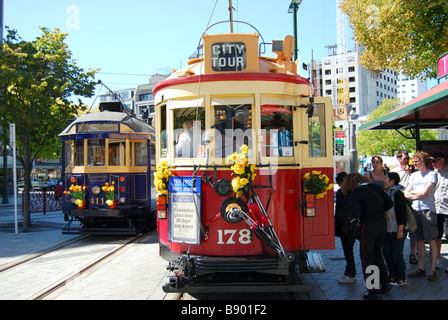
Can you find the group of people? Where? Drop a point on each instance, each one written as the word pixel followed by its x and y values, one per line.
pixel 372 208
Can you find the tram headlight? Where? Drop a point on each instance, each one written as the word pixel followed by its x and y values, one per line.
pixel 233 209
pixel 96 190
pixel 122 199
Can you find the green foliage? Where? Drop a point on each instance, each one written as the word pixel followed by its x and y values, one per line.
pixel 387 142
pixel 37 79
pixel 407 36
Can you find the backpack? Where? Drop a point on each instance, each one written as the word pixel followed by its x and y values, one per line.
pixel 411 223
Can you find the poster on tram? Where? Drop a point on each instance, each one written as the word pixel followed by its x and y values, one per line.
pixel 184 210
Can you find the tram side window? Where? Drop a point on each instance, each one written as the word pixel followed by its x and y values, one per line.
pixel 162 127
pixel 189 124
pixel 117 153
pixel 277 131
pixel 233 128
pixel 79 152
pixel 96 152
pixel 141 153
pixel 316 131
pixel 68 154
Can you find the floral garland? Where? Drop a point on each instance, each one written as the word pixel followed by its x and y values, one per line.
pixel 163 172
pixel 241 168
pixel 110 192
pixel 77 192
pixel 317 183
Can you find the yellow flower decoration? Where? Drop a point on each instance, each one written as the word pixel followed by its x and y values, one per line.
pixel 163 172
pixel 317 183
pixel 241 168
pixel 77 192
pixel 110 192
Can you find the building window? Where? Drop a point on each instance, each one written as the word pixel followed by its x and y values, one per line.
pixel 351 69
pixel 328 72
pixel 145 96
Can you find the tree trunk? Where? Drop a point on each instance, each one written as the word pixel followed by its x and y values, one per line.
pixel 27 163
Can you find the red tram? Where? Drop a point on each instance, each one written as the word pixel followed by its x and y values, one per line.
pixel 232 123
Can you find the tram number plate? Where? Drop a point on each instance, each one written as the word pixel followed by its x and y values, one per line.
pixel 233 236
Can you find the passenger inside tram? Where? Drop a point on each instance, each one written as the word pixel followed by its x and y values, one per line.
pixel 277 131
pixel 188 133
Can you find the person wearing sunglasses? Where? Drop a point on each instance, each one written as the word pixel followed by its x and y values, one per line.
pixel 441 197
pixel 421 190
pixel 404 170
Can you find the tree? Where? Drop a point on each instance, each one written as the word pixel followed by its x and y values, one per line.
pixel 407 36
pixel 37 79
pixel 386 142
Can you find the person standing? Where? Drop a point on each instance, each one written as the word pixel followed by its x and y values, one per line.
pixel 441 195
pixel 404 170
pixel 368 202
pixel 421 190
pixel 343 229
pixel 378 173
pixel 395 234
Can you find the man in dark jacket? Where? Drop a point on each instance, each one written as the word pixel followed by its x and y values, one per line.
pixel 368 202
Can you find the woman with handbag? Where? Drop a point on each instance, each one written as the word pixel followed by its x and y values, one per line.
pixel 368 202
pixel 395 234
pixel 344 229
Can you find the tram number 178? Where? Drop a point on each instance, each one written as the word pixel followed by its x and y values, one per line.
pixel 231 236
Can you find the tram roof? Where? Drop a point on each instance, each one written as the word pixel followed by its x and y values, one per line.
pixel 110 117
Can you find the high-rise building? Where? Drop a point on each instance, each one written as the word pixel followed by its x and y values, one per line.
pixel 366 89
pixel 410 88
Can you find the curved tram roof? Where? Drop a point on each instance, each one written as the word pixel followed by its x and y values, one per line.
pixel 107 117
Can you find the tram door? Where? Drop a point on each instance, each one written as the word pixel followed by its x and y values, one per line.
pixel 316 153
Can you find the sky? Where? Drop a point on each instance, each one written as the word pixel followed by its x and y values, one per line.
pixel 134 39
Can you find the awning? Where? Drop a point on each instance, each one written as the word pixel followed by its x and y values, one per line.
pixel 428 111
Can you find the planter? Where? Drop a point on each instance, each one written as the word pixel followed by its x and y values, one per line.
pixel 81 205
pixel 113 205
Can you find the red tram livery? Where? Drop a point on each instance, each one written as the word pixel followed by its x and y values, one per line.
pixel 236 135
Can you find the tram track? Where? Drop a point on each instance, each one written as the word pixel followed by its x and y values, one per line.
pixel 39 254
pixel 60 286
pixel 54 271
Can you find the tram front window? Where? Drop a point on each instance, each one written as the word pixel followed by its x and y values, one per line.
pixel 117 153
pixel 316 130
pixel 79 152
pixel 96 152
pixel 141 153
pixel 189 124
pixel 277 131
pixel 233 128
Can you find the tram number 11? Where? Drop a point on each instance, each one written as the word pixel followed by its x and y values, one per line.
pixel 228 236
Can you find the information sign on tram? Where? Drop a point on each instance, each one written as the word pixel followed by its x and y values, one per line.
pixel 185 209
pixel 228 56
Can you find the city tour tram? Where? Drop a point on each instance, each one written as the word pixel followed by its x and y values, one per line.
pixel 233 210
pixel 107 176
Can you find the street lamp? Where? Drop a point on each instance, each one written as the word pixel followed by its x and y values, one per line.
pixel 293 8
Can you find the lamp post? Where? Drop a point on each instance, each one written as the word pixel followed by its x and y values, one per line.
pixel 293 8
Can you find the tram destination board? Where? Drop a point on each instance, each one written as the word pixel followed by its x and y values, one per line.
pixel 184 209
pixel 228 56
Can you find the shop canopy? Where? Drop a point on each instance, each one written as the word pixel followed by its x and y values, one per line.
pixel 428 111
